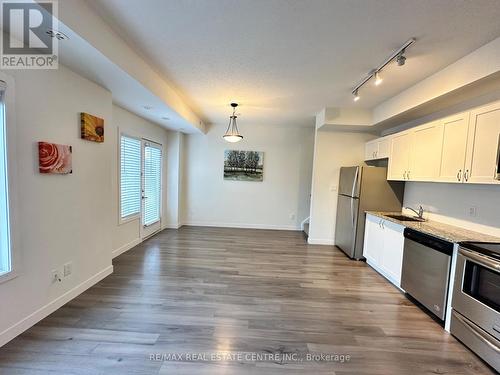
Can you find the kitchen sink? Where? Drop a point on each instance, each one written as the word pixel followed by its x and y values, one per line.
pixel 405 218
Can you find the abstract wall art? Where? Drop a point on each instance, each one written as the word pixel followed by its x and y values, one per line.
pixel 243 165
pixel 92 127
pixel 54 158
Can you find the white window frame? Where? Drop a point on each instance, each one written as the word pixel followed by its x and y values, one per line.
pixel 10 136
pixel 136 216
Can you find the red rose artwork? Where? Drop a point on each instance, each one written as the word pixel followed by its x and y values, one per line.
pixel 54 158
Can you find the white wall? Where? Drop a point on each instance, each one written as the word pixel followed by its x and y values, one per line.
pixel 450 203
pixel 172 214
pixel 127 235
pixel 332 150
pixel 70 218
pixel 60 218
pixel 210 200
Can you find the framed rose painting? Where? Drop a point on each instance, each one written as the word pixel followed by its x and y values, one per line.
pixel 92 127
pixel 54 158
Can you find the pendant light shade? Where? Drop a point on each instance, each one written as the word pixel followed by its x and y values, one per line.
pixel 232 134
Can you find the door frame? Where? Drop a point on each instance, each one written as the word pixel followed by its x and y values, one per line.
pixel 146 231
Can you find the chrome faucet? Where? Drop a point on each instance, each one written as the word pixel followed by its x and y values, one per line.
pixel 420 211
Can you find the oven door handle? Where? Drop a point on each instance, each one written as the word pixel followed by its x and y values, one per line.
pixel 480 335
pixel 480 259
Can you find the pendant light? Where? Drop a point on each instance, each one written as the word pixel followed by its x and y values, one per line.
pixel 232 134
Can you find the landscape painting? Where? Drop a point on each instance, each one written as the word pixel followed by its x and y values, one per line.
pixel 243 165
pixel 54 158
pixel 92 127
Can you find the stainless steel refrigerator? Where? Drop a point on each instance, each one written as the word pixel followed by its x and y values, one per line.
pixel 362 188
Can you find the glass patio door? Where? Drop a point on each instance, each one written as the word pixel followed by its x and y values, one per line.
pixel 151 188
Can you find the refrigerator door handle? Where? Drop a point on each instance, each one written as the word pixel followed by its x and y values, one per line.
pixel 354 185
pixel 352 212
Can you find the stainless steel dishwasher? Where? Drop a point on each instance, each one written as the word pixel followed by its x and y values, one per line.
pixel 426 270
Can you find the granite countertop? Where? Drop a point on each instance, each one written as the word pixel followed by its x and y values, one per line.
pixel 445 231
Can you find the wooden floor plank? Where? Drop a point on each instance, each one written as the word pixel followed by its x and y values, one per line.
pixel 220 290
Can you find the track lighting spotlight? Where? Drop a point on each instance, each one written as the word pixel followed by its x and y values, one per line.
pixel 356 95
pixel 401 59
pixel 378 79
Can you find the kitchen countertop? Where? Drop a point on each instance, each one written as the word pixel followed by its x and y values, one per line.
pixel 445 231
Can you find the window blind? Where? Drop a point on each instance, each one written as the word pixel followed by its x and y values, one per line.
pixel 152 184
pixel 5 256
pixel 130 176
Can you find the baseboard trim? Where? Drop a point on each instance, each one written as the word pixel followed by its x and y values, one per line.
pixel 243 226
pixel 320 241
pixel 52 306
pixel 125 247
pixel 171 226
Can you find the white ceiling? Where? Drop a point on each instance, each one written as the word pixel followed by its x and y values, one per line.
pixel 284 60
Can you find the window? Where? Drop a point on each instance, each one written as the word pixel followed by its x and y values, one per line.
pixel 130 177
pixel 5 243
pixel 152 183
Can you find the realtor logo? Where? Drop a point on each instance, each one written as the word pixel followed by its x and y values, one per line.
pixel 29 40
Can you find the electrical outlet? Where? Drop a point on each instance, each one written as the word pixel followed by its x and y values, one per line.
pixel 56 276
pixel 472 211
pixel 68 269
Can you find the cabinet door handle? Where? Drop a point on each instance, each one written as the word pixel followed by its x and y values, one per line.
pixel 408 175
pixel 404 175
pixel 459 175
pixel 466 175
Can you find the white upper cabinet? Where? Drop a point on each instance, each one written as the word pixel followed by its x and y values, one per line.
pixel 371 149
pixel 377 149
pixel 483 145
pixel 425 159
pixel 463 148
pixel 384 147
pixel 455 130
pixel 399 160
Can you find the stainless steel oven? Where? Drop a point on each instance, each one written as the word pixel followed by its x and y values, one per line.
pixel 475 317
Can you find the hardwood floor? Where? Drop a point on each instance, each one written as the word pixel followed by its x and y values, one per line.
pixel 238 291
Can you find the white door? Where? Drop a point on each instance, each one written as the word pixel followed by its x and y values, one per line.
pixel 482 148
pixel 455 129
pixel 151 188
pixel 399 161
pixel 427 143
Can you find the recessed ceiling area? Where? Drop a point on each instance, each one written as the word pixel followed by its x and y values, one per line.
pixel 284 60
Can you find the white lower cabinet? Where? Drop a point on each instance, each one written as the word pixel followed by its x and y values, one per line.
pixel 383 247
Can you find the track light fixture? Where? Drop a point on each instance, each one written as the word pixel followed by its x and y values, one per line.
pixel 397 55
